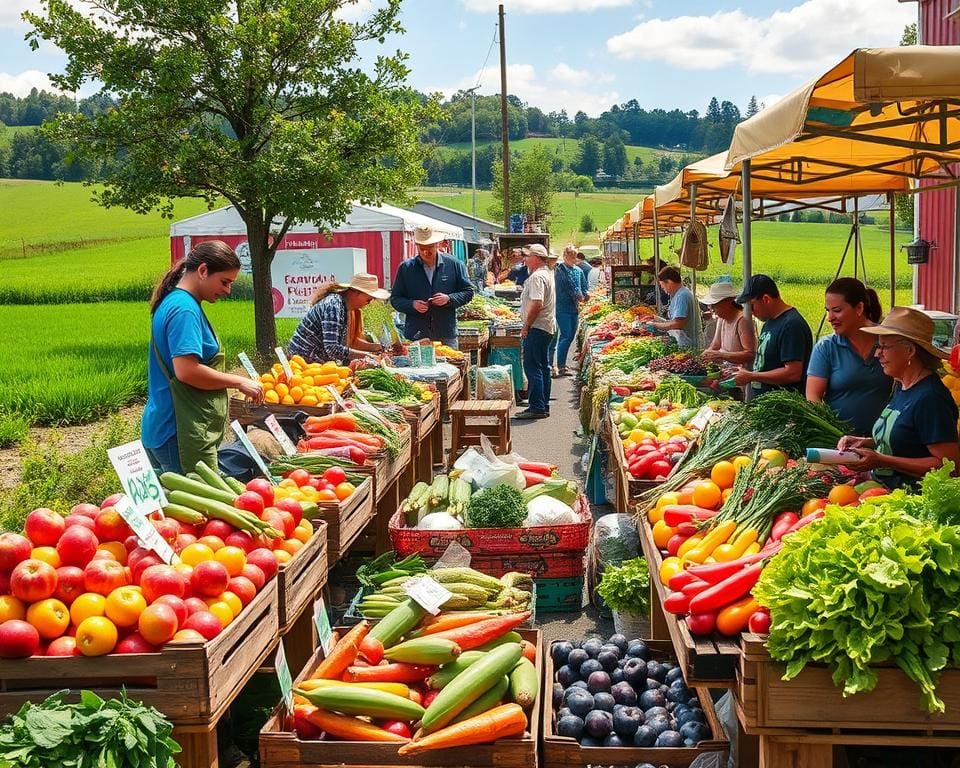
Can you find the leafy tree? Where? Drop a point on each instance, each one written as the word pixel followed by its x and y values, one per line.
pixel 567 181
pixel 713 111
pixel 614 157
pixel 264 104
pixel 532 185
pixel 589 157
pixel 909 36
pixel 586 223
pixel 752 107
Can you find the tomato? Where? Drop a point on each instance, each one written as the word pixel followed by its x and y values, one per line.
pixel 326 495
pixel 335 475
pixel 811 506
pixel 759 622
pixel 300 476
pixel 661 467
pixel 701 623
pixel 314 482
pixel 344 490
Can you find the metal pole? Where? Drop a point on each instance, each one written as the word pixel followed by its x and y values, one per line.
pixel 856 235
pixel 693 216
pixel 747 245
pixel 504 124
pixel 893 251
pixel 656 259
pixel 473 147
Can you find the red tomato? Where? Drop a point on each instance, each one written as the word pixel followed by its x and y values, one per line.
pixel 701 623
pixel 314 482
pixel 659 468
pixel 759 622
pixel 300 476
pixel 335 476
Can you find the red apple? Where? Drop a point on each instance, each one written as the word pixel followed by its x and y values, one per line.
pixel 14 549
pixel 33 580
pixel 190 529
pixel 158 623
pixel 188 636
pixel 83 520
pixel 134 643
pixel 70 583
pixel 111 501
pixel 184 540
pixel 241 539
pixel 304 729
pixel 178 605
pixel 87 510
pixel 219 528
pixel 4 583
pixel 141 565
pixel 250 502
pixel 293 507
pixel 264 560
pixel 18 639
pixel 160 580
pixel 262 487
pixel 398 727
pixel 104 576
pixel 63 646
pixel 44 527
pixel 194 605
pixel 131 542
pixel 203 622
pixel 77 546
pixel 110 526
pixel 243 588
pixel 168 528
pixel 209 578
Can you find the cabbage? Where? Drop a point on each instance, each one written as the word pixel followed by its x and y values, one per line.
pixel 439 521
pixel 546 510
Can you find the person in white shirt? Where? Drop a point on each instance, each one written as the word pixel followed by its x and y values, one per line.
pixel 538 309
pixel 597 276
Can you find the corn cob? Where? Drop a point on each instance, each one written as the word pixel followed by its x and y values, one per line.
pixel 465 576
pixel 517 580
pixel 458 497
pixel 414 500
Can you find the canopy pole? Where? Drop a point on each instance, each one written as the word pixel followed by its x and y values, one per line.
pixel 893 251
pixel 656 260
pixel 636 243
pixel 747 247
pixel 856 238
pixel 693 216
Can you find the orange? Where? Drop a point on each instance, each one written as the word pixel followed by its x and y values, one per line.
pixel 296 392
pixel 302 534
pixel 86 605
pixel 670 566
pixel 727 493
pixel 96 636
pixel 233 601
pixel 812 505
pixel 124 606
pixel 707 494
pixel 668 498
pixel 287 400
pixel 662 533
pixel 282 390
pixel 291 545
pixel 844 495
pixel 326 495
pixel 723 474
pixel 282 556
pixel 344 491
pixel 685 496
pixel 309 400
pixel 222 611
pixel 50 617
pixel 115 548
pixel 232 558
pixel 270 396
pixel 12 608
pixel 49 555
pixel 195 553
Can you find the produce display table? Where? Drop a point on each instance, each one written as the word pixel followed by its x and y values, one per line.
pixel 242 410
pixel 424 421
pixel 386 474
pixel 475 345
pixel 450 391
pixel 302 577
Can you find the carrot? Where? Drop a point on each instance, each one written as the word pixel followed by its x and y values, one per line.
pixel 344 653
pixel 539 467
pixel 374 441
pixel 339 420
pixel 529 651
pixel 389 673
pixel 482 632
pixel 349 728
pixel 533 478
pixel 324 441
pixel 498 723
pixel 445 621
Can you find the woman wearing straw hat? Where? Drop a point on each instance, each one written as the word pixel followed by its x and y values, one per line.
pixel 323 334
pixel 735 339
pixel 917 429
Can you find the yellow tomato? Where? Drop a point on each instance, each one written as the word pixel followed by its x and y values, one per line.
pixel 670 567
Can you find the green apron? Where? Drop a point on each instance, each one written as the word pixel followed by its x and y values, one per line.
pixel 201 414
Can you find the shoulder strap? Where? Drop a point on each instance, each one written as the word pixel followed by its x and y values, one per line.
pixel 163 365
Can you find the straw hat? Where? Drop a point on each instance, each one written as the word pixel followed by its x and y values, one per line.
pixel 912 325
pixel 365 283
pixel 717 293
pixel 427 236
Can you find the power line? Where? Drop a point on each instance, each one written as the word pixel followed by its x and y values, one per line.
pixel 483 66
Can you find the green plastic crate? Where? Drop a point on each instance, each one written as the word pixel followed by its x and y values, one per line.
pixel 559 595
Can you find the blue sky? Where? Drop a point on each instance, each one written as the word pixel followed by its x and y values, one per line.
pixel 589 54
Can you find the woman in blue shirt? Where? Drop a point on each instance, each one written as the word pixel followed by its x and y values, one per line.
pixel 844 371
pixel 186 413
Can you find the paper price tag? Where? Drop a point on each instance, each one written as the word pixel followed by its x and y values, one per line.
pixel 245 442
pixel 137 476
pixel 336 396
pixel 149 537
pixel 428 593
pixel 277 431
pixel 248 366
pixel 284 677
pixel 367 408
pixel 284 363
pixel 322 622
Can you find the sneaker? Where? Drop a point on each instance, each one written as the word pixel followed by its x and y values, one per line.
pixel 528 414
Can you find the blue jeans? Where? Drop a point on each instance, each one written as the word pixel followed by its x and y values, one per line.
pixel 552 349
pixel 536 366
pixel 567 324
pixel 166 458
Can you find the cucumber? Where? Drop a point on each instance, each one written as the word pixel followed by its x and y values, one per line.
pixel 524 683
pixel 470 685
pixel 212 478
pixel 445 675
pixel 507 637
pixel 235 485
pixel 174 482
pixel 368 702
pixel 397 623
pixel 184 514
pixel 488 701
pixel 424 650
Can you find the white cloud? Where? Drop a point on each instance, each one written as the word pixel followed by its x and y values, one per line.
pixel 564 73
pixel 356 11
pixel 11 10
pixel 804 40
pixel 19 84
pixel 542 6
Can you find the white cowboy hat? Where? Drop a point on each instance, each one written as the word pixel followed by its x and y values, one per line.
pixel 427 236
pixel 366 283
pixel 717 293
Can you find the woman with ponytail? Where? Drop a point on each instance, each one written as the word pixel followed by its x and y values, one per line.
pixel 186 413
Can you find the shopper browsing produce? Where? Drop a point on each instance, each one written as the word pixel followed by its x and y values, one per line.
pixel 186 412
pixel 332 329
pixel 917 429
pixel 571 288
pixel 844 370
pixel 735 340
pixel 785 343
pixel 538 308
pixel 683 312
pixel 598 276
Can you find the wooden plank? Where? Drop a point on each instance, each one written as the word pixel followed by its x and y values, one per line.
pixel 775 753
pixel 346 519
pixel 299 579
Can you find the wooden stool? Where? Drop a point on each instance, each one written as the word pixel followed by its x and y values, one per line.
pixel 470 419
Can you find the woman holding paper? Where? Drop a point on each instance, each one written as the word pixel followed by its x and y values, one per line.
pixel 186 412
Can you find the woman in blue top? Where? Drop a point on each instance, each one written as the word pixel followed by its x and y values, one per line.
pixel 844 371
pixel 186 412
pixel 917 429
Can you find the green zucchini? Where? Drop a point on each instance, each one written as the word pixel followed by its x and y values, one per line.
pixel 184 514
pixel 174 482
pixel 488 701
pixel 524 683
pixel 424 650
pixel 368 702
pixel 397 623
pixel 212 478
pixel 444 676
pixel 507 637
pixel 235 485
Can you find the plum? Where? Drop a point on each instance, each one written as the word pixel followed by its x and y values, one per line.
pixel 570 726
pixel 656 670
pixel 620 641
pixel 613 741
pixel 635 672
pixel 598 681
pixel 576 657
pixel 659 723
pixel 603 701
pixel 580 684
pixel 563 712
pixel 673 673
pixel 691 715
pixel 617 676
pixel 637 649
pixel 598 723
pixel 610 648
pixel 589 667
pixel 592 647
pixel 678 692
pixel 559 652
pixel 669 739
pixel 558 691
pixel 693 733
pixel 579 701
pixel 651 699
pixel 567 676
pixel 589 741
pixel 645 736
pixel 608 660
pixel 623 693
pixel 626 721
pixel 656 712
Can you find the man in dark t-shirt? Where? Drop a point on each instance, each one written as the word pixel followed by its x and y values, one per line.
pixel 784 343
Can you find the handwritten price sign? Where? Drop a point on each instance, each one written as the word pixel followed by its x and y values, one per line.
pixel 139 480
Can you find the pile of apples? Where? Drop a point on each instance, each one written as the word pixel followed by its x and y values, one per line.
pixel 81 584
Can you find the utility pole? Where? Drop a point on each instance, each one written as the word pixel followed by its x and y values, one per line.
pixel 504 125
pixel 473 146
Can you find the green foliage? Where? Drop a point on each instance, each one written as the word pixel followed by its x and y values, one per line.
pixel 501 506
pixel 119 733
pixel 532 185
pixel 626 587
pixel 903 205
pixel 586 223
pixel 13 429
pixel 941 495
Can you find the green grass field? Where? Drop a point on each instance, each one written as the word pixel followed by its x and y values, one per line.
pixel 568 149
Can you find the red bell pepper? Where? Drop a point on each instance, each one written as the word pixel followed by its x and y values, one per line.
pixel 728 590
pixel 675 514
pixel 781 524
pixel 676 603
pixel 802 522
pixel 538 467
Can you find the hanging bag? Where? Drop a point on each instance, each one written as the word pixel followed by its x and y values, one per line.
pixel 693 248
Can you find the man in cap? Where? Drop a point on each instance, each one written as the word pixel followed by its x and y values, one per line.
pixel 537 307
pixel 784 344
pixel 429 288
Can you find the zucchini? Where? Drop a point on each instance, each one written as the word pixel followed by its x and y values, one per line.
pixel 424 650
pixel 507 637
pixel 524 683
pixel 184 514
pixel 466 576
pixel 212 478
pixel 444 676
pixel 488 701
pixel 235 485
pixel 397 623
pixel 368 702
pixel 174 482
pixel 470 685
pixel 212 508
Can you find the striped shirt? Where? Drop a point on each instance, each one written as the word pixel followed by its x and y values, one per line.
pixel 322 334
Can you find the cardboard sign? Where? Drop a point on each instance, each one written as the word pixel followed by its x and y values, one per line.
pixel 289 449
pixel 284 363
pixel 137 477
pixel 427 592
pixel 248 366
pixel 322 622
pixel 245 442
pixel 149 537
pixel 284 677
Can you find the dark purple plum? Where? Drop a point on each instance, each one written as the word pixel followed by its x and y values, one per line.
pixel 570 726
pixel 604 701
pixel 598 724
pixel 598 681
pixel 623 693
pixel 645 736
pixel 576 657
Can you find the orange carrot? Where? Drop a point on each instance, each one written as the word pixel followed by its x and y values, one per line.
pixel 498 723
pixel 339 420
pixel 482 632
pixel 446 621
pixel 344 653
pixel 389 673
pixel 350 728
pixel 529 651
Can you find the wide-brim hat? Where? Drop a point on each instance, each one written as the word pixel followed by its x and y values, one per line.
pixel 913 325
pixel 366 283
pixel 428 236
pixel 717 292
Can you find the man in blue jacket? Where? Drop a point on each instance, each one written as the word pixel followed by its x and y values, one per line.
pixel 429 288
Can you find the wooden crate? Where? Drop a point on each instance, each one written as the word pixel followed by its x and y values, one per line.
pixel 299 579
pixel 705 660
pixel 385 470
pixel 242 410
pixel 280 748
pixel 345 519
pixel 450 391
pixel 811 701
pixel 193 684
pixel 422 419
pixel 565 752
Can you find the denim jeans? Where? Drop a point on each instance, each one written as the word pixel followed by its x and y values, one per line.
pixel 567 325
pixel 552 349
pixel 537 368
pixel 166 458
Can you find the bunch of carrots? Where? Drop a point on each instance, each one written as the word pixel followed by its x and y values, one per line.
pixel 339 435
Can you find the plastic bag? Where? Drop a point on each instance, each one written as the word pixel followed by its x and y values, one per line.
pixel 615 539
pixel 495 382
pixel 486 473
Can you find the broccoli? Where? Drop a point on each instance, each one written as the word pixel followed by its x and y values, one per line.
pixel 499 507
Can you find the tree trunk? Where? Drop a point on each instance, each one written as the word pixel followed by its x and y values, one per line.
pixel 260 258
